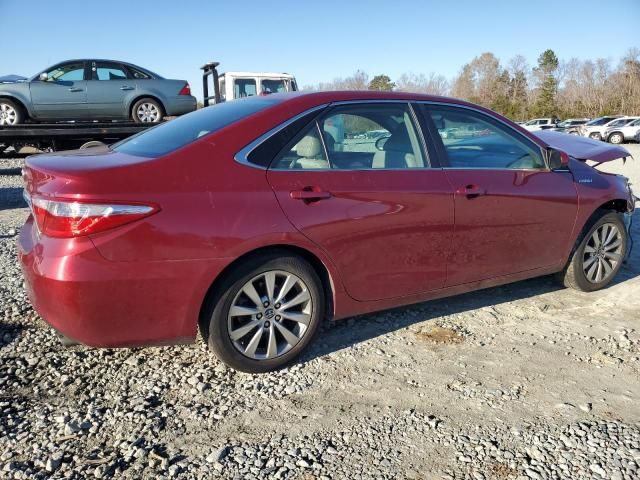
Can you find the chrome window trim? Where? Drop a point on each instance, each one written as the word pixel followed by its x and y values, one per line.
pixel 242 156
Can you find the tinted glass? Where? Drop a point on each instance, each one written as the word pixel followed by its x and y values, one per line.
pixel 598 121
pixel 108 71
pixel 273 86
pixel 264 153
pixel 244 87
pixel 357 137
pixel 138 73
pixel 306 154
pixel 67 73
pixel 474 140
pixel 183 130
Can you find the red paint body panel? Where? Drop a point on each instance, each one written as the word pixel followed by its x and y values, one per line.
pixel 388 231
pixel 385 238
pixel 523 221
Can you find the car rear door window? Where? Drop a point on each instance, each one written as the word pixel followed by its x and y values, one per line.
pixel 108 71
pixel 482 142
pixel 183 130
pixel 357 137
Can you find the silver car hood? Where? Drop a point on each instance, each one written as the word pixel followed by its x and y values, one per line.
pixel 582 148
pixel 12 79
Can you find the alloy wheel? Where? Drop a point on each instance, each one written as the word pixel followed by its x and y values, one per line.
pixel 270 315
pixel 602 253
pixel 8 114
pixel 148 113
pixel 616 138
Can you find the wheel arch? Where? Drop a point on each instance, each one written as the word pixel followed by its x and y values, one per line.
pixel 316 263
pixel 613 133
pixel 21 103
pixel 145 95
pixel 618 205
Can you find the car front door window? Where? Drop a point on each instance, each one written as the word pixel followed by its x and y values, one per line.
pixel 70 72
pixel 481 142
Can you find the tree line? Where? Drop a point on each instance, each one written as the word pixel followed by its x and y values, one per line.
pixel 572 88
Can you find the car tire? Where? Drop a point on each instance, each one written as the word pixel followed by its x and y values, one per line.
pixel 595 136
pixel 256 338
pixel 147 110
pixel 10 113
pixel 592 256
pixel 616 138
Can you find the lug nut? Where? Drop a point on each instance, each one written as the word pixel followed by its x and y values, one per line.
pixel 259 316
pixel 278 317
pixel 277 305
pixel 266 304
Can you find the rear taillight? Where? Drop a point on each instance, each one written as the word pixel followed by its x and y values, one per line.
pixel 67 218
pixel 186 90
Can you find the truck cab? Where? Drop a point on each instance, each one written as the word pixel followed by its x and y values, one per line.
pixel 235 85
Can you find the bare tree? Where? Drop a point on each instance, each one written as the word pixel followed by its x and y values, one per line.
pixel 432 84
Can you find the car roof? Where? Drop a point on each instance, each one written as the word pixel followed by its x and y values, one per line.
pixel 327 96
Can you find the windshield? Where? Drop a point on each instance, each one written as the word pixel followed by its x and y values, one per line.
pixel 177 133
pixel 598 121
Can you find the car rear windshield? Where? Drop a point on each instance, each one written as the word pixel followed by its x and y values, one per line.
pixel 177 133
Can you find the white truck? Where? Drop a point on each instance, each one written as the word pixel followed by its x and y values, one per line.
pixel 233 85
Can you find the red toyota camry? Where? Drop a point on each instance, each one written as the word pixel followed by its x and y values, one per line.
pixel 254 220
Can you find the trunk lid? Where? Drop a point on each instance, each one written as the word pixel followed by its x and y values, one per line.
pixel 582 148
pixel 81 174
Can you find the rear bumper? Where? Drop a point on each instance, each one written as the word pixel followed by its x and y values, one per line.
pixel 180 104
pixel 102 303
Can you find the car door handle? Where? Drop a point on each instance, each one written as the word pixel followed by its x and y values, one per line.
pixel 76 89
pixel 471 191
pixel 310 194
pixel 126 87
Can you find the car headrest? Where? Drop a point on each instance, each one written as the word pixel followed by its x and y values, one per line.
pixel 398 141
pixel 309 147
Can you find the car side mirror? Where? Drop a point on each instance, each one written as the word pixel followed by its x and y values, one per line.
pixel 558 160
pixel 43 77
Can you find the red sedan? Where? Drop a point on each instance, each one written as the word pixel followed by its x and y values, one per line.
pixel 254 220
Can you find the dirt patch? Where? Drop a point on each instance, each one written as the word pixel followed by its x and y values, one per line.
pixel 437 334
pixel 501 471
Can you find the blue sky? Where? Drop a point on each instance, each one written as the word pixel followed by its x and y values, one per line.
pixel 317 41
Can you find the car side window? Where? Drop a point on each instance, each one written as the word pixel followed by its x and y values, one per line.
pixel 69 72
pixel 473 140
pixel 357 137
pixel 306 153
pixel 244 87
pixel 108 71
pixel 138 74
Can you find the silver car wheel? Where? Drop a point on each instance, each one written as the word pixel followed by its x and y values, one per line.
pixel 148 113
pixel 8 114
pixel 616 138
pixel 602 253
pixel 270 315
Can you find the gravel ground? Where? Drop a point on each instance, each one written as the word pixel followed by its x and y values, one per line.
pixel 522 381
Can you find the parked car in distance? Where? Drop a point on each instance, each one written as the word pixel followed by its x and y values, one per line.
pixel 594 128
pixel 540 124
pixel 254 220
pixel 570 125
pixel 622 133
pixel 91 89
